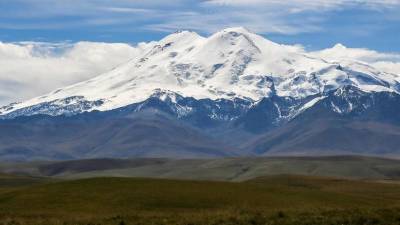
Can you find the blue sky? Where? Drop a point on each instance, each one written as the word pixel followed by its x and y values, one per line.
pixel 316 24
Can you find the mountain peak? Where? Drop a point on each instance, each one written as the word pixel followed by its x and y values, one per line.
pixel 339 46
pixel 181 35
pixel 236 29
pixel 234 32
pixel 232 63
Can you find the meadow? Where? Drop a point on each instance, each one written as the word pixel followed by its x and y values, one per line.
pixel 281 199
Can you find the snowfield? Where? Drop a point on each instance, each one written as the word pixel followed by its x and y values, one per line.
pixel 232 63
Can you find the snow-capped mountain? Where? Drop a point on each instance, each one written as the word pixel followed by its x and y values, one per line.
pixel 233 93
pixel 232 63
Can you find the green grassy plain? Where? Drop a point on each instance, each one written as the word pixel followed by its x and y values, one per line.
pixel 268 200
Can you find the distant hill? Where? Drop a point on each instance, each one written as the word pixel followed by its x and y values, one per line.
pixel 227 169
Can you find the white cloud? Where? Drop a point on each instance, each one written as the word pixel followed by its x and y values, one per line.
pixel 291 4
pixel 265 16
pixel 31 69
pixel 290 16
pixel 260 22
pixel 309 4
pixel 387 62
pixel 340 51
pixel 389 67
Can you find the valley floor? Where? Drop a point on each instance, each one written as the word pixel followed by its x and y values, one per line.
pixel 280 199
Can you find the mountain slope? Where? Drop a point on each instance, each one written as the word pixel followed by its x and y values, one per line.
pixel 345 121
pixel 93 136
pixel 330 137
pixel 233 63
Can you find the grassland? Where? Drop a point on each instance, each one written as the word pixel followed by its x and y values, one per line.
pixel 268 200
pixel 225 169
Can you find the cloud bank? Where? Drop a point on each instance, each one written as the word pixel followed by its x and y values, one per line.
pixel 32 69
pixel 386 62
